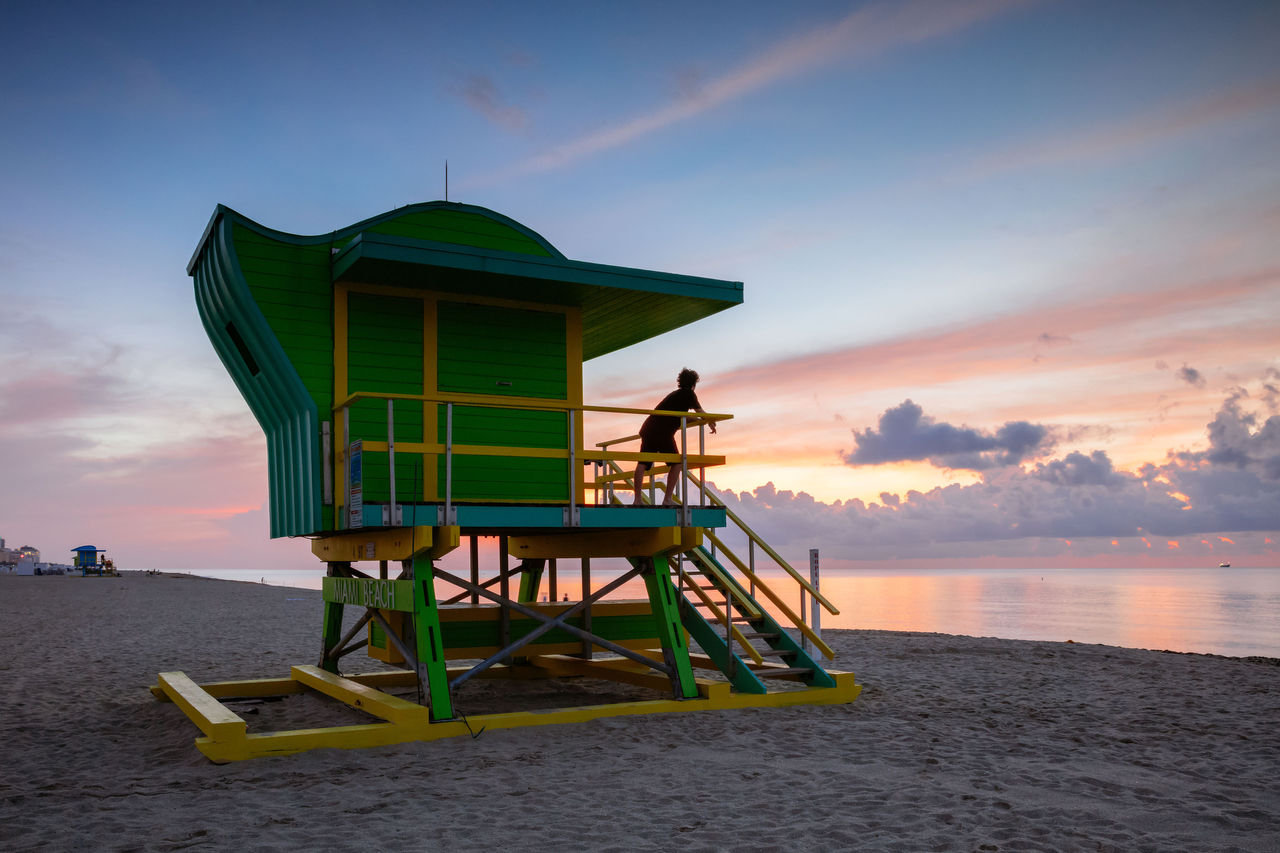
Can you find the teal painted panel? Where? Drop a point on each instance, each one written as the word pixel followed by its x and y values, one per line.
pixel 226 291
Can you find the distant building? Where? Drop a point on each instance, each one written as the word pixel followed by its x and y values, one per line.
pixel 28 551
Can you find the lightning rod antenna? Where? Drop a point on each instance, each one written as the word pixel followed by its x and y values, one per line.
pixel 446 180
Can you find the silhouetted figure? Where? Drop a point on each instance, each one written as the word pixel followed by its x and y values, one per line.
pixel 658 432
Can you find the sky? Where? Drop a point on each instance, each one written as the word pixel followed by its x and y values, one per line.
pixel 1011 269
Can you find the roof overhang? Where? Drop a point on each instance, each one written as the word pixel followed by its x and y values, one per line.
pixel 620 305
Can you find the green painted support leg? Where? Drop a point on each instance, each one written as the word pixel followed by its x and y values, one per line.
pixel 432 667
pixel 530 580
pixel 662 598
pixel 332 633
pixel 709 638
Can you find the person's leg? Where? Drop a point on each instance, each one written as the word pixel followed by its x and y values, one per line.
pixel 672 479
pixel 639 481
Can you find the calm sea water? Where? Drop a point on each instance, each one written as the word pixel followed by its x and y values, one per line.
pixel 1219 611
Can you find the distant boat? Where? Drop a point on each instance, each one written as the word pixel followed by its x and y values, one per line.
pixel 1224 565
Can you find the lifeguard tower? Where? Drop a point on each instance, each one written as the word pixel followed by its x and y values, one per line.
pixel 93 562
pixel 418 376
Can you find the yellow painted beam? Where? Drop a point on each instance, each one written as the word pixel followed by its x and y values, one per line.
pixel 369 699
pixel 210 716
pixel 713 696
pixel 624 671
pixel 641 542
pixel 249 689
pixel 397 543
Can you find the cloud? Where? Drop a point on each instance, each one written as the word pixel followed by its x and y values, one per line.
pixel 867 31
pixel 906 433
pixel 1077 469
pixel 1232 485
pixel 1151 127
pixel 1191 376
pixel 483 95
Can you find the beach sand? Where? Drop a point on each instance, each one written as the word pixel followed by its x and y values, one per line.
pixel 956 743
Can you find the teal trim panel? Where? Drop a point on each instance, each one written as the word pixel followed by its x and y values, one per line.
pixel 257 363
pixel 620 305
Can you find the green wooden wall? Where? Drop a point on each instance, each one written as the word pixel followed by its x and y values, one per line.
pixel 384 354
pixel 509 352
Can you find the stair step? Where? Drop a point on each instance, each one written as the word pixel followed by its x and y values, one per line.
pixel 748 619
pixel 775 652
pixel 760 635
pixel 778 672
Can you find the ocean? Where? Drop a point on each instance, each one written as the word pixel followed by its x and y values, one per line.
pixel 1233 611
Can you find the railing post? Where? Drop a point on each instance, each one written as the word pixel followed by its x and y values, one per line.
pixel 326 452
pixel 728 630
pixel 804 640
pixel 346 466
pixel 815 620
pixel 571 515
pixel 685 512
pixel 448 463
pixel 391 462
pixel 751 562
pixel 702 469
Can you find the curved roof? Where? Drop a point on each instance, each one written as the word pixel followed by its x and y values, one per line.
pixel 463 248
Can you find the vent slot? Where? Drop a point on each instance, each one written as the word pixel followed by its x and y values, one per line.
pixel 243 349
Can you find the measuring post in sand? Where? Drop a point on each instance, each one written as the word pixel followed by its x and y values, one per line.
pixel 440 347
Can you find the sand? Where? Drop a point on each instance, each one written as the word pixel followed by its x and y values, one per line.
pixel 957 743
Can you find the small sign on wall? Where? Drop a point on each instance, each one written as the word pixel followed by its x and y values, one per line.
pixel 355 485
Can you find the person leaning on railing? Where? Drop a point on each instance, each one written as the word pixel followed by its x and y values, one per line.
pixel 658 432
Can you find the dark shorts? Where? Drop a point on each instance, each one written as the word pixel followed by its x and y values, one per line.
pixel 663 442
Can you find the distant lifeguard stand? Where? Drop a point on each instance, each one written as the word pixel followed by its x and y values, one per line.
pixel 92 561
pixel 418 376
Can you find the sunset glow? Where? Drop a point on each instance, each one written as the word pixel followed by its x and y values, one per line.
pixel 1002 306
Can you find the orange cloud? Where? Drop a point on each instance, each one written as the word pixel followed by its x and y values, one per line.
pixel 1174 546
pixel 1225 539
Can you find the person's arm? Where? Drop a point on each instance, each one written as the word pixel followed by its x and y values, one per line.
pixel 712 424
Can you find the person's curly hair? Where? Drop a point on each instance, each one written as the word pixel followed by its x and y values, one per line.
pixel 687 378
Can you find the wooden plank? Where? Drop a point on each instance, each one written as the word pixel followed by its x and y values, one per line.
pixel 369 699
pixel 623 670
pixel 638 542
pixel 211 716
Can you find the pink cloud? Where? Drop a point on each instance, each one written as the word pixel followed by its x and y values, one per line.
pixel 1146 129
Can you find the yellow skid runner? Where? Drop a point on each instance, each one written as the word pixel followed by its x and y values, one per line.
pixel 226 736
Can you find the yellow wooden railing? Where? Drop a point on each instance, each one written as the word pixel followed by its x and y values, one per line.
pixel 336 486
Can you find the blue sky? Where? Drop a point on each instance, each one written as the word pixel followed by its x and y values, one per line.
pixel 1051 213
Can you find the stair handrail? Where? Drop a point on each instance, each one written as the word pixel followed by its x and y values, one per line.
pixel 764 546
pixel 797 620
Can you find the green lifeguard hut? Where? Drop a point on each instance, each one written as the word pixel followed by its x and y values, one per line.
pixel 418 377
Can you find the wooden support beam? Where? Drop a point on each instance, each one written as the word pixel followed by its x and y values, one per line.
pixel 210 716
pixel 360 696
pixel 606 543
